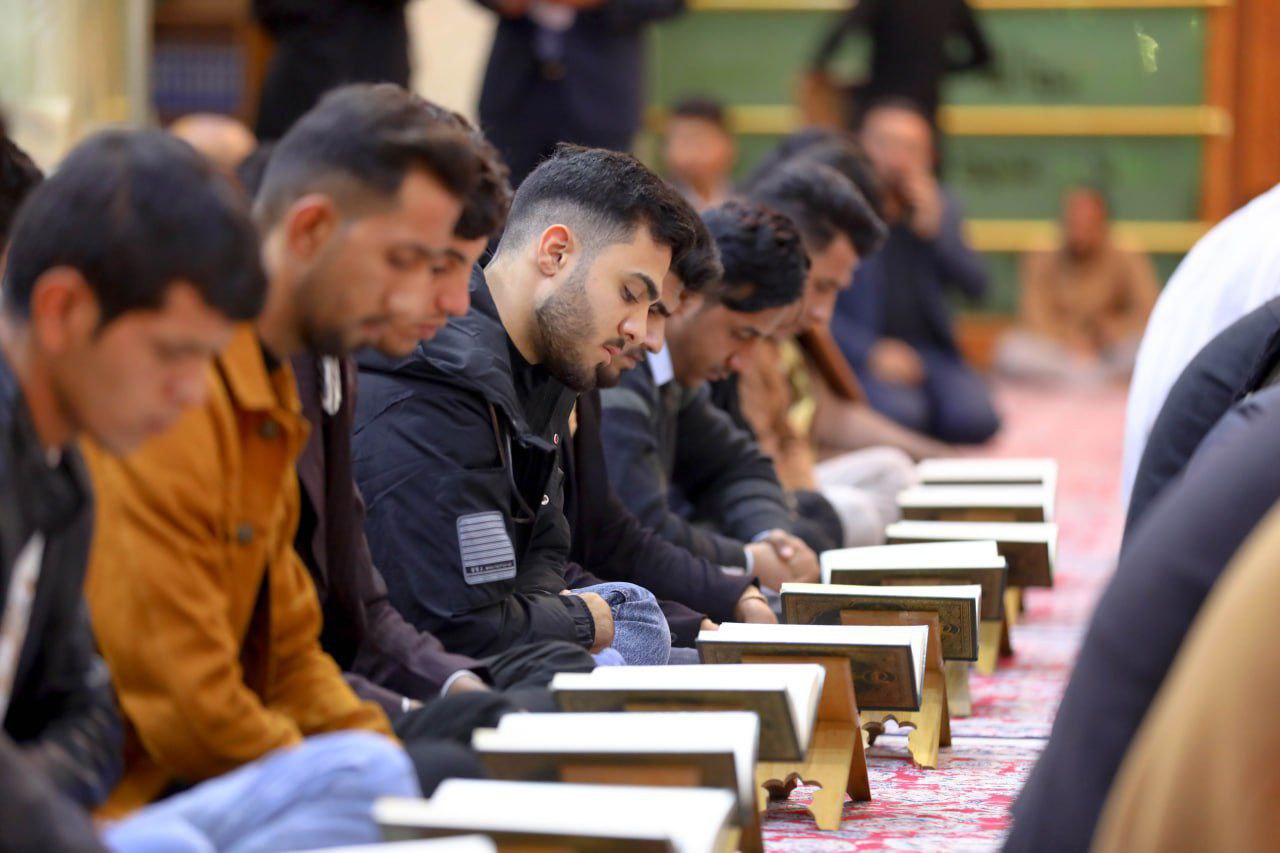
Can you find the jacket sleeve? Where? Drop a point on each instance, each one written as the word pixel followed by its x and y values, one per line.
pixel 956 262
pixel 34 814
pixel 721 469
pixel 428 452
pixel 156 572
pixel 636 472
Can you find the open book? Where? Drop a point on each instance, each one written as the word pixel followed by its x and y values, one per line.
pixel 887 663
pixel 785 698
pixel 1029 547
pixel 958 608
pixel 928 564
pixel 580 817
pixel 453 844
pixel 539 747
pixel 1042 472
pixel 977 503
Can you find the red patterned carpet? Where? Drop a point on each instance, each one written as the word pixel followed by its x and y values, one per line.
pixel 963 805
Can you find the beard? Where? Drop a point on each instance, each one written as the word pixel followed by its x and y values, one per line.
pixel 565 323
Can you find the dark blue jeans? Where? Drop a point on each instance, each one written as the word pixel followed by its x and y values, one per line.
pixel 953 404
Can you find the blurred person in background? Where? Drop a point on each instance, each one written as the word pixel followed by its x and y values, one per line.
pixel 221 140
pixel 894 325
pixel 700 152
pixel 565 71
pixel 1083 305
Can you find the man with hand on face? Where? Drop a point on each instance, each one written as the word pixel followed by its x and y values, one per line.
pixel 894 325
pixel 384 657
pixel 202 608
pixel 128 270
pixel 613 544
pixel 673 456
pixel 457 446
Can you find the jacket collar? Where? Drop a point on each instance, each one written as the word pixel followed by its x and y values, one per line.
pixel 251 386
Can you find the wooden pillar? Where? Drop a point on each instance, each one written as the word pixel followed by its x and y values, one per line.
pixel 1257 120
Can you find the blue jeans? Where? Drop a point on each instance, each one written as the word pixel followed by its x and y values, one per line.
pixel 640 633
pixel 953 404
pixel 318 794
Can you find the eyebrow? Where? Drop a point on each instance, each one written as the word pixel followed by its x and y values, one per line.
pixel 424 251
pixel 648 285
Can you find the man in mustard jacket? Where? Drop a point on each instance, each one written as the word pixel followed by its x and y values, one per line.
pixel 204 612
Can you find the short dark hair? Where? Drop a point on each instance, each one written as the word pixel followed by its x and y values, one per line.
pixel 835 148
pixel 605 195
pixel 358 143
pixel 765 265
pixel 484 210
pixel 136 212
pixel 250 170
pixel 699 268
pixel 822 203
pixel 18 176
pixel 701 107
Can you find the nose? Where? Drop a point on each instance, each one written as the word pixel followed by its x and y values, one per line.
pixel 657 331
pixel 635 326
pixel 454 299
pixel 410 300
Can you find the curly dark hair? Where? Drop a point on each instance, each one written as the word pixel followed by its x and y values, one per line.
pixel 699 268
pixel 822 203
pixel 764 261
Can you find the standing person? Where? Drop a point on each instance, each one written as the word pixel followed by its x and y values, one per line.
pixel 1084 305
pixel 566 71
pixel 913 47
pixel 356 211
pixel 383 657
pixel 463 436
pixel 894 325
pixel 323 44
pixel 102 341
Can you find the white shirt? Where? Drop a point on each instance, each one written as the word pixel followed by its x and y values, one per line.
pixel 1229 272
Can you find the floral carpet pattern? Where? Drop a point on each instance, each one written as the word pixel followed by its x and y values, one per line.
pixel 963 805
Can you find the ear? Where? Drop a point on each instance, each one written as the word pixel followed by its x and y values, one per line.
pixel 309 223
pixel 64 310
pixel 555 248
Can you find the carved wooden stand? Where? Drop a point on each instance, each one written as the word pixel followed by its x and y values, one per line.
pixel 931 725
pixel 836 761
pixel 959 699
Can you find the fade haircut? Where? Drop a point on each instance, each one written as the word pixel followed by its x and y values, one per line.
pixel 699 268
pixel 357 145
pixel 823 204
pixel 484 210
pixel 18 176
pixel 136 212
pixel 835 148
pixel 604 196
pixel 765 265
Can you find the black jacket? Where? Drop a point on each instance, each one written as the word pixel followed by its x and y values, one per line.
pixel 60 752
pixel 464 487
pixel 613 545
pixel 1170 566
pixel 674 454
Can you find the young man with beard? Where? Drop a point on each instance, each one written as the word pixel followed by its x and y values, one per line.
pixel 203 610
pixel 610 542
pixel 384 657
pixel 457 446
pixel 676 458
pixel 104 340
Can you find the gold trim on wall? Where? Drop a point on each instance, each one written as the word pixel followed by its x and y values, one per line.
pixel 1028 235
pixel 778 120
pixel 986 5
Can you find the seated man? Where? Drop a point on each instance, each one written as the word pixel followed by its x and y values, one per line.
pixel 384 657
pixel 894 325
pixel 700 152
pixel 203 610
pixel 463 436
pixel 1239 361
pixel 1083 306
pixel 674 458
pixel 610 542
pixel 1170 565
pixel 102 340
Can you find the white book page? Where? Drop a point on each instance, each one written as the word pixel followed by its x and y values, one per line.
pixel 986 470
pixel 691 818
pixel 452 844
pixel 1000 531
pixel 975 496
pixel 736 733
pixel 982 554
pixel 833 635
pixel 959 592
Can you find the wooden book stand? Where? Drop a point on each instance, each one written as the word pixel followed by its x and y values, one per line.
pixel 959 699
pixel 836 761
pixel 931 725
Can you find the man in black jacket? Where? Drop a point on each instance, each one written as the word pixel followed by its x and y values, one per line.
pixel 608 540
pixel 456 448
pixel 101 339
pixel 678 459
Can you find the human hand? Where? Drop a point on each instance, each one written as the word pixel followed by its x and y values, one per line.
pixel 896 362
pixel 603 618
pixel 805 567
pixel 752 607
pixel 708 625
pixel 925 201
pixel 467 683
